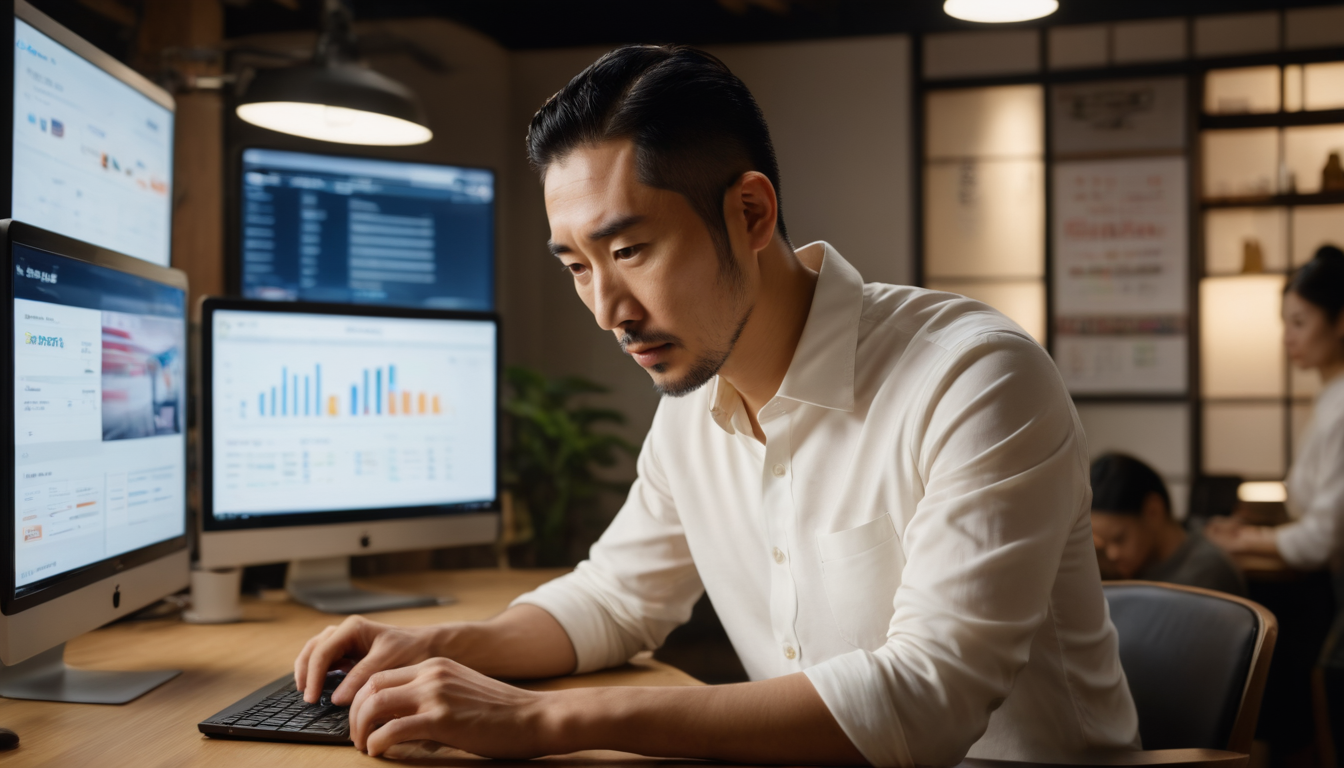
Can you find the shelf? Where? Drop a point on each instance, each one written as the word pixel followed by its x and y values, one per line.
pixel 1258 201
pixel 1272 119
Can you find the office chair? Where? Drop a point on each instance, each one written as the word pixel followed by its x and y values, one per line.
pixel 1196 661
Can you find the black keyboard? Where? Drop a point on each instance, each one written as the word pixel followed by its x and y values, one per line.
pixel 277 712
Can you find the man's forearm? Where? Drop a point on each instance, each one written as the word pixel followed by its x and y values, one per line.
pixel 782 720
pixel 520 643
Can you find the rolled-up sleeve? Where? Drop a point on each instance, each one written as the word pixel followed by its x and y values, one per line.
pixel 638 583
pixel 1310 542
pixel 1005 475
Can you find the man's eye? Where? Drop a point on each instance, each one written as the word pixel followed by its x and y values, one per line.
pixel 627 252
pixel 574 269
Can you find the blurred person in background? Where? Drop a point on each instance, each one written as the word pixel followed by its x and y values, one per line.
pixel 1313 333
pixel 1137 538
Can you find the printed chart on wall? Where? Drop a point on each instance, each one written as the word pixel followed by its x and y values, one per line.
pixel 1121 276
pixel 324 413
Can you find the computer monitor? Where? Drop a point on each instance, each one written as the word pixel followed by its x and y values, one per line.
pixel 98 450
pixel 334 430
pixel 329 228
pixel 92 143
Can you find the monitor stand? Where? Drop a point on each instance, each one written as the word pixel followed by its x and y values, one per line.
pixel 45 677
pixel 325 585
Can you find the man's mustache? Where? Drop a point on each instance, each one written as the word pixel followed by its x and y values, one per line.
pixel 646 338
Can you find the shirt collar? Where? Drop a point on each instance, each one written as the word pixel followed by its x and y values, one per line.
pixel 822 370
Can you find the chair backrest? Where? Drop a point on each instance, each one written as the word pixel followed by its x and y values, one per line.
pixel 1196 661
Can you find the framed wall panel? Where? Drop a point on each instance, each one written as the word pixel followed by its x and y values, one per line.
pixel 1003 121
pixel 1120 275
pixel 1113 116
pixel 984 218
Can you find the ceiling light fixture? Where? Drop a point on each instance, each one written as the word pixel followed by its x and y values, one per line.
pixel 999 11
pixel 334 98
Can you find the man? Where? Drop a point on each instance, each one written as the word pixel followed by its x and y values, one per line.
pixel 1136 537
pixel 882 489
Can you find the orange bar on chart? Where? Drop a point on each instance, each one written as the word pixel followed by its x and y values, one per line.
pixel 406 403
pixel 392 403
pixel 435 402
pixel 332 407
pixel 422 403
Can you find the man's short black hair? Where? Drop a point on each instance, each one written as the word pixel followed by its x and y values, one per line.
pixel 1121 483
pixel 695 126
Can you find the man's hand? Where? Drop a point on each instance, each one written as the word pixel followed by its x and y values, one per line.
pixel 443 701
pixel 376 647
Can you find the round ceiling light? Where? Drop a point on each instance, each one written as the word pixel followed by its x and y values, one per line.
pixel 999 11
pixel 343 103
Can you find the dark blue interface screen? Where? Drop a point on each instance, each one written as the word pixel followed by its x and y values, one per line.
pixel 365 231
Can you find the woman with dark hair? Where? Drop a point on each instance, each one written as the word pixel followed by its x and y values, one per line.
pixel 1313 333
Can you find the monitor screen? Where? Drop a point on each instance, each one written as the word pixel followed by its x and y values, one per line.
pixel 93 156
pixel 99 422
pixel 355 230
pixel 322 413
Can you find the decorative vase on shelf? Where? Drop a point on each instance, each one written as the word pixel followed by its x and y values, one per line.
pixel 1332 175
pixel 1252 257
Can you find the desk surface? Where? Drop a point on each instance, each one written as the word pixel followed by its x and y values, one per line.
pixel 220 664
pixel 223 663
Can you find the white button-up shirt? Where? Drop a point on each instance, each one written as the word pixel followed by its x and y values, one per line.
pixel 1316 488
pixel 914 535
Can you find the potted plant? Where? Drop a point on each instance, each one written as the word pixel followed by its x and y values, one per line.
pixel 552 459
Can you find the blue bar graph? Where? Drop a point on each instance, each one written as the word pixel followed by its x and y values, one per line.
pixel 378 396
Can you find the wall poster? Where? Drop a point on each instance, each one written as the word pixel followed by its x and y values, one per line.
pixel 1121 272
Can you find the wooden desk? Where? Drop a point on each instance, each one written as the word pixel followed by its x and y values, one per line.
pixel 223 663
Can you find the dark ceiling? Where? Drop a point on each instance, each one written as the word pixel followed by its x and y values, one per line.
pixel 524 24
pixel 521 24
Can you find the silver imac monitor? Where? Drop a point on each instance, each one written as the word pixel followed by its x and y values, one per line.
pixel 91 143
pixel 97 446
pixel 334 430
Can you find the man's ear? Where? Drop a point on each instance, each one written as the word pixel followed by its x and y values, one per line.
pixel 753 199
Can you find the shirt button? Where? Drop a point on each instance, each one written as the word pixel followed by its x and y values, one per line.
pixel 778 469
pixel 778 555
pixel 789 652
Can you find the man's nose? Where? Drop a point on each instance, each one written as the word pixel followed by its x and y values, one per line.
pixel 613 305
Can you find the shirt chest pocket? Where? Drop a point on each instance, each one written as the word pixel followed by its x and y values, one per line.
pixel 861 569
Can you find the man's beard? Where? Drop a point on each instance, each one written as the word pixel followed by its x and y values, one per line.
pixel 702 370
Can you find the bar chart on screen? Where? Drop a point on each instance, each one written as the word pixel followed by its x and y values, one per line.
pixel 340 413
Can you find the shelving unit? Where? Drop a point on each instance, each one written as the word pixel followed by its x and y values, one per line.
pixel 1262 214
pixel 1260 94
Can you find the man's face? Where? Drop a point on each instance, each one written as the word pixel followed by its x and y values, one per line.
pixel 645 265
pixel 1125 542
